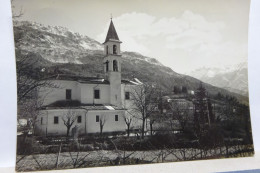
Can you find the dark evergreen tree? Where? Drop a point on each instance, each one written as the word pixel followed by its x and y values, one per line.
pixel 184 90
pixel 203 114
pixel 176 90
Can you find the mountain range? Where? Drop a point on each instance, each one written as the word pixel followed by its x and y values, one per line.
pixel 62 51
pixel 233 78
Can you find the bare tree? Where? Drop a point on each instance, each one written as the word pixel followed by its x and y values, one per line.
pixel 30 80
pixel 182 111
pixel 128 120
pixel 122 154
pixel 78 159
pixel 155 117
pixel 69 120
pixel 30 110
pixel 145 102
pixel 102 121
pixel 29 77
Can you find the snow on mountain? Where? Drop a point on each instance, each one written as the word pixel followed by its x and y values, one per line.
pixel 85 42
pixel 62 51
pixel 60 45
pixel 54 43
pixel 138 57
pixel 213 71
pixel 233 78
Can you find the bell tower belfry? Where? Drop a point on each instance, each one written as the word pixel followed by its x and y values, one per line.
pixel 112 64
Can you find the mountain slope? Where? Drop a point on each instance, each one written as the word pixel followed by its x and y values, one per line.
pixel 63 51
pixel 233 78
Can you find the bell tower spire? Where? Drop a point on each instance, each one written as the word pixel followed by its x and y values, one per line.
pixel 111 33
pixel 112 64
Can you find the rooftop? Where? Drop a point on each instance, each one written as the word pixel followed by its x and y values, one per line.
pixel 111 34
pixel 90 80
pixel 75 104
pixel 81 79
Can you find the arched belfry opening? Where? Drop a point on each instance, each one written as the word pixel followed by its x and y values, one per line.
pixel 115 65
pixel 107 50
pixel 114 49
pixel 107 65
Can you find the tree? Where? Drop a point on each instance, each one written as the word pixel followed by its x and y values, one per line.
pixel 69 120
pixel 176 90
pixel 144 102
pixel 30 80
pixel 234 117
pixel 184 89
pixel 182 111
pixel 128 120
pixel 30 76
pixel 152 119
pixel 30 109
pixel 102 121
pixel 201 113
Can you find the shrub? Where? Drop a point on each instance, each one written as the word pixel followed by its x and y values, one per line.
pixel 28 145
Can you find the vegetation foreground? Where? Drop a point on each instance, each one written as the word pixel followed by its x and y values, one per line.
pixel 85 152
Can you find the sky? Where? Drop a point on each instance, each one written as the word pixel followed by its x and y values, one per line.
pixel 184 35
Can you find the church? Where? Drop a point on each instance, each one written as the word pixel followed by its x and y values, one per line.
pixel 90 104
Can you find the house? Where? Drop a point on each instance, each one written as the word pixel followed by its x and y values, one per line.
pixel 178 110
pixel 91 104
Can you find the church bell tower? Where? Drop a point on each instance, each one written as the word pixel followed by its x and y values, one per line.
pixel 112 64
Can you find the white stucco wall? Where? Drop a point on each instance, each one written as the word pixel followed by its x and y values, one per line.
pixel 48 127
pixel 110 124
pixel 126 88
pixel 50 95
pixel 115 88
pixel 88 121
pixel 87 93
pixel 82 92
pixel 130 105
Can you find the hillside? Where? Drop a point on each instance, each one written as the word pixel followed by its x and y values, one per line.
pixel 233 78
pixel 62 51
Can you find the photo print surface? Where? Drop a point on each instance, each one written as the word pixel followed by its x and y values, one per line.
pixel 110 83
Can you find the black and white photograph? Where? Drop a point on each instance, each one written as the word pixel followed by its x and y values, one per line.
pixel 110 83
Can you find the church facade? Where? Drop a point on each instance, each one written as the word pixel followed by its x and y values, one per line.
pixel 90 104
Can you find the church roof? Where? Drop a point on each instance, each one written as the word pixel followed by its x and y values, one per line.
pixel 80 79
pixel 87 80
pixel 111 34
pixel 129 82
pixel 75 104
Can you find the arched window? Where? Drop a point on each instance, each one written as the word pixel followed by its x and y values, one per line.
pixel 115 67
pixel 114 49
pixel 107 50
pixel 107 66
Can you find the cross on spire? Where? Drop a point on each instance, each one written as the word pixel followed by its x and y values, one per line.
pixel 111 34
pixel 111 16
